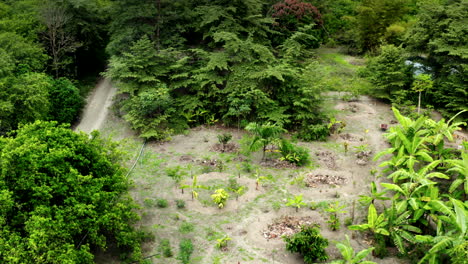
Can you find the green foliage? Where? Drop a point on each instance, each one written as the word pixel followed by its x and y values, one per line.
pixel 162 203
pixel 314 132
pixel 24 99
pixel 185 250
pixel 388 72
pixel 70 197
pixel 180 203
pixel 263 136
pixel 224 139
pixel 165 248
pixel 186 228
pixel 439 33
pixel 220 197
pixel 333 218
pixel 309 243
pixel 294 154
pixel 221 243
pixel 349 256
pixel 66 102
pixel 296 202
pixel 376 20
pixel 366 200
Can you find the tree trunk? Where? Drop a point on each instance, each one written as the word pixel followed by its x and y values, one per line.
pixel 158 26
pixel 419 103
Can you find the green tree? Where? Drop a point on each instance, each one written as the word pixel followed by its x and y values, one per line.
pixel 263 135
pixel 70 195
pixel 440 34
pixel 66 102
pixel 422 83
pixel 24 99
pixel 373 19
pixel 388 72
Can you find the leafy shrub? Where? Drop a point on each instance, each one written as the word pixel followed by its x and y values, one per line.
pixel 66 102
pixel 185 251
pixel 148 202
pixel 165 248
pixel 294 154
pixel 224 139
pixel 162 203
pixel 314 132
pixel 220 197
pixel 309 243
pixel 180 203
pixel 233 184
pixel 186 227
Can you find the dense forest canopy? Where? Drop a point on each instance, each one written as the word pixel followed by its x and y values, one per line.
pixel 183 63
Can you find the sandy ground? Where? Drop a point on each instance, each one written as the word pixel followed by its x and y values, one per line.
pixel 96 110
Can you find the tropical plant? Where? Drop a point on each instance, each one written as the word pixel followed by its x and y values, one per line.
pixel 460 167
pixel 366 200
pixel 296 202
pixel 349 256
pixel 194 187
pixel 333 210
pixel 224 139
pixel 221 243
pixel 220 197
pixel 309 243
pixel 263 135
pixel 238 191
pixel 375 222
pixel 294 154
pixel 451 236
pixel 185 250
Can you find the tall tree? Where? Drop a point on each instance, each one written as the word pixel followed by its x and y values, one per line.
pixel 62 195
pixel 60 40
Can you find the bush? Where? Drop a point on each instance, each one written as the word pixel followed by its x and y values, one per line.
pixel 294 154
pixel 186 228
pixel 185 251
pixel 314 132
pixel 309 243
pixel 162 203
pixel 165 248
pixel 180 203
pixel 66 101
pixel 220 197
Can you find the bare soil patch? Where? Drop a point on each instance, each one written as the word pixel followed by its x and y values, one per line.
pixel 286 226
pixel 228 148
pixel 323 177
pixel 327 158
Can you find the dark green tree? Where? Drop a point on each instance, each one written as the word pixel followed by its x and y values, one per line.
pixel 63 195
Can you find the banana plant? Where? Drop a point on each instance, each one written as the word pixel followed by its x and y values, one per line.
pixel 424 174
pixel 459 166
pixel 375 222
pixel 451 236
pixel 194 187
pixel 349 256
pixel 374 195
pixel 398 224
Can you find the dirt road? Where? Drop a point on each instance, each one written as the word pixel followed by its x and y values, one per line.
pixel 97 107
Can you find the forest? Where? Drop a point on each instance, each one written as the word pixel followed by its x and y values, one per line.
pixel 341 121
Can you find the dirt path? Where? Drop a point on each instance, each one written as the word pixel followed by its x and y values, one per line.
pixel 97 107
